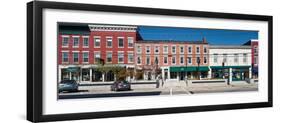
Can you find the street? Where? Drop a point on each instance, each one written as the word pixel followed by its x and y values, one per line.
pixel 101 91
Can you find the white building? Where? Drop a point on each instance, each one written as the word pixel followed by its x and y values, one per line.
pixel 230 62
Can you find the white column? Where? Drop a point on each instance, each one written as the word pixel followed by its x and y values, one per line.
pixel 102 77
pixel 210 74
pixel 250 72
pixel 70 76
pixel 230 75
pixel 178 77
pixel 169 77
pixel 59 74
pixel 91 74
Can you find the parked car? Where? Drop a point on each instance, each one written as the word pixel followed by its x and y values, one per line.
pixel 121 86
pixel 68 85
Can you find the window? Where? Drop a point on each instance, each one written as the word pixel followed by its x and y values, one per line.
pixel 156 49
pixel 205 49
pixel 130 42
pixel 75 41
pixel 174 49
pixel 147 48
pixel 120 57
pixel 255 49
pixel 96 42
pixel 173 75
pixel 189 49
pixel 173 60
pixel 75 57
pixel 97 57
pixel 197 49
pixel 165 49
pixel 198 61
pixel 235 58
pixel 255 60
pixel 165 60
pixel 109 57
pixel 85 57
pixel 181 49
pixel 109 42
pixel 139 60
pixel 245 58
pixel 224 58
pixel 205 60
pixel 215 58
pixel 130 57
pixel 182 60
pixel 65 41
pixel 86 42
pixel 138 48
pixel 64 56
pixel 147 60
pixel 120 42
pixel 189 60
pixel 156 61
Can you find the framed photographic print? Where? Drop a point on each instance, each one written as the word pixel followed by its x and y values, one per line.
pixel 89 61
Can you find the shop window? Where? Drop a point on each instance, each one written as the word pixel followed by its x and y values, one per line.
pixel 173 75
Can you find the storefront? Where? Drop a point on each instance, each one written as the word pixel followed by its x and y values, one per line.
pixel 192 72
pixel 255 72
pixel 70 73
pixel 223 72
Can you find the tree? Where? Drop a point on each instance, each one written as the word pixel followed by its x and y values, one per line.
pixel 116 70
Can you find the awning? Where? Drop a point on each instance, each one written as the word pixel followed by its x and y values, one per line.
pixel 233 67
pixel 73 69
pixel 189 69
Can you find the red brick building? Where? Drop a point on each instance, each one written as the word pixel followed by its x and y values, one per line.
pixel 81 48
pixel 255 56
pixel 175 59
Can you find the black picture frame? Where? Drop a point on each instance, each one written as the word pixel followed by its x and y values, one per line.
pixel 35 69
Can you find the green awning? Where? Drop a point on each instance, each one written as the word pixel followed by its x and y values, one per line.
pixel 73 69
pixel 189 69
pixel 226 67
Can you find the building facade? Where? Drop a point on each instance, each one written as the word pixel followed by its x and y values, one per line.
pixel 86 48
pixel 255 56
pixel 230 62
pixel 81 49
pixel 172 60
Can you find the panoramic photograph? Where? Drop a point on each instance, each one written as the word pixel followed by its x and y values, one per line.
pixel 113 60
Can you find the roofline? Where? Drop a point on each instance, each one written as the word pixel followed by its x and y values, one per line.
pixel 229 47
pixel 171 41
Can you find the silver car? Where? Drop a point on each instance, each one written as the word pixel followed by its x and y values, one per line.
pixel 68 85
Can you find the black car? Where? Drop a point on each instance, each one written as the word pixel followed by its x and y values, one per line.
pixel 121 86
pixel 68 85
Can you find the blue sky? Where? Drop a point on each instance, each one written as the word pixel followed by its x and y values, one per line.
pixel 213 36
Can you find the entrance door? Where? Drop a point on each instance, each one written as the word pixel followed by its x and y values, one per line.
pixel 149 76
pixel 166 74
pixel 182 75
